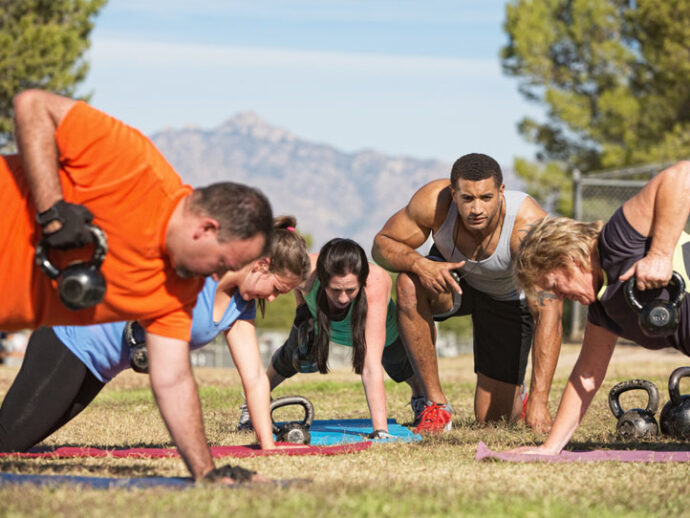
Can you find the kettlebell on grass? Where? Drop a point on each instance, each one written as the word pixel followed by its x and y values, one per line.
pixel 296 432
pixel 635 423
pixel 675 416
pixel 660 317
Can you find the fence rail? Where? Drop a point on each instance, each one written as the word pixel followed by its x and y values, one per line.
pixel 596 196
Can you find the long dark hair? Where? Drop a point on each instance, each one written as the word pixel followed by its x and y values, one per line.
pixel 339 257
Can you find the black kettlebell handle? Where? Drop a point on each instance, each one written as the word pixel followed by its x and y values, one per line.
pixel 625 386
pixel 674 382
pixel 676 281
pixel 293 400
pixel 99 253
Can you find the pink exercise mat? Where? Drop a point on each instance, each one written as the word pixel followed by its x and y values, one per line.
pixel 484 453
pixel 217 451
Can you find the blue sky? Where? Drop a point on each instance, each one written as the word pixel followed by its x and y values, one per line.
pixel 415 78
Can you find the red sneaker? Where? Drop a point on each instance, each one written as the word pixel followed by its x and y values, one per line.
pixel 436 418
pixel 525 399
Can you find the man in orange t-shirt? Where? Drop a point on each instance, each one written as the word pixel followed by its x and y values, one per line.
pixel 76 165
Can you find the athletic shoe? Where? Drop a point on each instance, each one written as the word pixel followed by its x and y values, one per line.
pixel 245 422
pixel 418 405
pixel 436 418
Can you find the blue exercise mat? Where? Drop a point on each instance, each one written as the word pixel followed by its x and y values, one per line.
pixel 95 482
pixel 7 479
pixel 345 431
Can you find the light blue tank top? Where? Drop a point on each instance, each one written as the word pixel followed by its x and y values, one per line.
pixel 102 347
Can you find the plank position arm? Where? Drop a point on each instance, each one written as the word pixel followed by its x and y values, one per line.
pixel 587 376
pixel 378 292
pixel 176 394
pixel 244 349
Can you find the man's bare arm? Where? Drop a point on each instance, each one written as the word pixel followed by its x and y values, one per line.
pixel 547 310
pixel 395 246
pixel 175 390
pixel 37 115
pixel 660 210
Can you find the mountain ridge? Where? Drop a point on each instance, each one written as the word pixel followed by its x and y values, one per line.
pixel 332 193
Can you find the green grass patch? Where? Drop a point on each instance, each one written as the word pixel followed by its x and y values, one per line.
pixel 434 478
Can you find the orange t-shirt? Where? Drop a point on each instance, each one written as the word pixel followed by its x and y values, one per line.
pixel 131 189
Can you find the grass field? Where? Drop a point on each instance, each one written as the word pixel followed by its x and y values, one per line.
pixel 437 477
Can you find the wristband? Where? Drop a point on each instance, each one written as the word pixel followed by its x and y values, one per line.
pixel 380 434
pixel 45 217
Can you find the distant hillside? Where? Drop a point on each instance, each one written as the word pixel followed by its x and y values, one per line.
pixel 331 193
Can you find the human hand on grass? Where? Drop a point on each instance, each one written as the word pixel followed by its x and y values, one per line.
pixel 533 450
pixel 229 475
pixel 538 417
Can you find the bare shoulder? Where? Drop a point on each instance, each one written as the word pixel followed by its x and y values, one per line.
pixel 379 282
pixel 429 204
pixel 54 105
pixel 528 215
pixel 640 209
pixel 530 212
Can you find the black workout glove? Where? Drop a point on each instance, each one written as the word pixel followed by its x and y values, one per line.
pixel 236 473
pixel 74 232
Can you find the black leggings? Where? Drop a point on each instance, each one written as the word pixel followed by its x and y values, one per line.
pixel 51 388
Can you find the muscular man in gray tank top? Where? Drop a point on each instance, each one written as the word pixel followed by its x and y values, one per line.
pixel 476 227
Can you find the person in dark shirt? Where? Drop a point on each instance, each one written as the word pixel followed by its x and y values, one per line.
pixel 591 262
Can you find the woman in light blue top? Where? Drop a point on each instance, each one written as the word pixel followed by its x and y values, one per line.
pixel 66 367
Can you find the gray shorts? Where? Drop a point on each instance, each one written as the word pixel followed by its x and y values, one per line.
pixel 295 355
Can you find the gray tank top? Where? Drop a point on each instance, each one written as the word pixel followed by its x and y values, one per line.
pixel 493 275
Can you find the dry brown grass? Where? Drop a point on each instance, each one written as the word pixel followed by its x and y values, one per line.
pixel 437 477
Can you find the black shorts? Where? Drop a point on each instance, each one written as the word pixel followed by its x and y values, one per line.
pixel 290 358
pixel 502 333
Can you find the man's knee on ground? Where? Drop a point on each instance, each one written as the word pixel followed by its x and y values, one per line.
pixel 495 400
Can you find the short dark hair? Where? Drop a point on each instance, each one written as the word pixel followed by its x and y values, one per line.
pixel 475 167
pixel 241 211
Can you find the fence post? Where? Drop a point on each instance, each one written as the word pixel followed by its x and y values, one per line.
pixel 576 313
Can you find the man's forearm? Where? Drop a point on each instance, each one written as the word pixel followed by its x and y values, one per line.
pixel 544 361
pixel 180 408
pixel 393 255
pixel 548 334
pixel 671 209
pixel 34 127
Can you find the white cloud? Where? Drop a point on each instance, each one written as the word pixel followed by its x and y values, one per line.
pixel 147 53
pixel 348 11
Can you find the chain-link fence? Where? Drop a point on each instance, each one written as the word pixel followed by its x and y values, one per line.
pixel 596 197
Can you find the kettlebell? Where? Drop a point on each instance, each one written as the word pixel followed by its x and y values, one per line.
pixel 293 431
pixel 80 285
pixel 300 356
pixel 675 416
pixel 660 317
pixel 635 423
pixel 135 338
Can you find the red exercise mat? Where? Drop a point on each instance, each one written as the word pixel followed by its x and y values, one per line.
pixel 251 450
